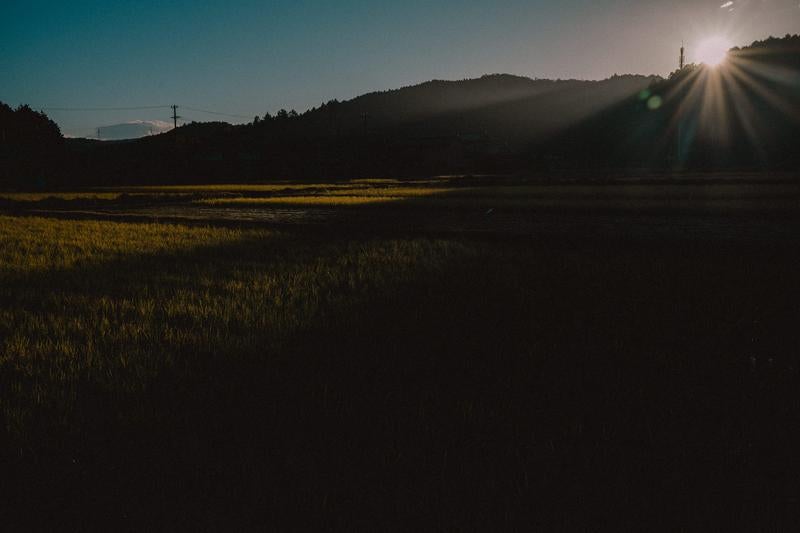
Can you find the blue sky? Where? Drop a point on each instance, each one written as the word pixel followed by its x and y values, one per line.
pixel 248 57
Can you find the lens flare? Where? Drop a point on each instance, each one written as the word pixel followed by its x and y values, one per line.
pixel 654 102
pixel 713 51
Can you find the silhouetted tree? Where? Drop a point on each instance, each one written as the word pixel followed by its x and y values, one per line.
pixel 30 145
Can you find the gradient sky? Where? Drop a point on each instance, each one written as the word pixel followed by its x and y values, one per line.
pixel 247 57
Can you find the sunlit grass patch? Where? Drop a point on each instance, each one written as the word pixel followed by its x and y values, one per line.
pixel 230 188
pixel 359 184
pixel 396 192
pixel 376 181
pixel 31 244
pixel 300 201
pixel 333 198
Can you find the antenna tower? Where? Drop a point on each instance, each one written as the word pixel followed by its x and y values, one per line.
pixel 679 140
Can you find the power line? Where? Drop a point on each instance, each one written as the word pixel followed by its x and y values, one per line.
pixel 215 112
pixel 136 108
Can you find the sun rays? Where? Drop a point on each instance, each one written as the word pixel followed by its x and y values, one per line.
pixel 713 51
pixel 722 105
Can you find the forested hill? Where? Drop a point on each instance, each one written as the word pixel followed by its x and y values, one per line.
pixel 510 108
pixel 432 128
pixel 744 114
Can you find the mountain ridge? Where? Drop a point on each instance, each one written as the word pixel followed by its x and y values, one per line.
pixel 497 123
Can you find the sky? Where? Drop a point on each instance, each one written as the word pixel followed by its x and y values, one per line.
pixel 247 57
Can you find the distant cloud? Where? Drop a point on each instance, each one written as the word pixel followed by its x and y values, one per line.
pixel 133 129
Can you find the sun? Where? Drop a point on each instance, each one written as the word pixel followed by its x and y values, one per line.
pixel 713 50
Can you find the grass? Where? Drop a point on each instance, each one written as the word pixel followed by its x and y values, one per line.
pixel 439 193
pixel 629 197
pixel 299 201
pixel 38 197
pixel 335 198
pixel 165 377
pixel 39 245
pixel 397 192
pixel 231 188
pixel 133 300
pixel 279 186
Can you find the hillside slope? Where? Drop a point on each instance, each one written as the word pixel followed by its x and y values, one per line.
pixel 743 114
pixel 435 127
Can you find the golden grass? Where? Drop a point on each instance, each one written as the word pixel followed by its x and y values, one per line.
pixel 376 181
pixel 230 188
pixel 299 201
pixel 393 192
pixel 333 198
pixel 440 193
pixel 41 244
pixel 117 304
pixel 277 186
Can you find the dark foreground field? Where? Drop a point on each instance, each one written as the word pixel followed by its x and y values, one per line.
pixel 608 365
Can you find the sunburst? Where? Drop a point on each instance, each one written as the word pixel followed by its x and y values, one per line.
pixel 713 51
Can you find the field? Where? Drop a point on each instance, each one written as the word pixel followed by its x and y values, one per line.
pixel 390 356
pixel 451 193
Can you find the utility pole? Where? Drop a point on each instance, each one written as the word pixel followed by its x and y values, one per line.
pixel 175 116
pixel 679 147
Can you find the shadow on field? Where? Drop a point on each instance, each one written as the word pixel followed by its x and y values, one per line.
pixel 590 384
pixel 745 209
